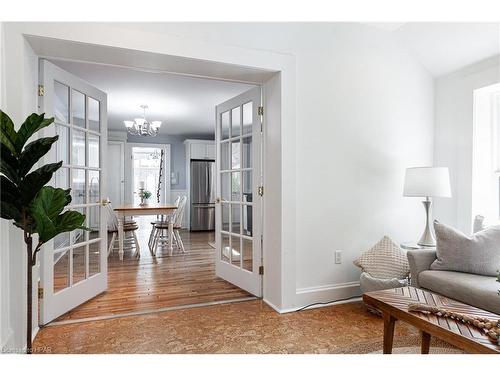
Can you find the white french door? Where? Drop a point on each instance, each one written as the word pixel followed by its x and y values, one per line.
pixel 238 209
pixel 74 265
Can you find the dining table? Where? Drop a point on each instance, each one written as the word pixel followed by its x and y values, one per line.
pixel 137 210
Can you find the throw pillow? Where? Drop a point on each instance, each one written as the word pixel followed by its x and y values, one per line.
pixel 385 260
pixel 455 251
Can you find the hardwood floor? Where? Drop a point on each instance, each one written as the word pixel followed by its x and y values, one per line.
pixel 150 283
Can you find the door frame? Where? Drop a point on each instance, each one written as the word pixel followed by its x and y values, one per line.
pixel 103 44
pixel 129 166
pixel 122 170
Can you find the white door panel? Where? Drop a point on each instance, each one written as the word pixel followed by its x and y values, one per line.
pixel 74 265
pixel 238 209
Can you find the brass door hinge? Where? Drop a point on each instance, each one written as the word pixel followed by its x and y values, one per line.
pixel 260 111
pixel 261 190
pixel 261 270
pixel 40 293
pixel 41 90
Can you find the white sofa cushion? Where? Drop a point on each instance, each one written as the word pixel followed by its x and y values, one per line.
pixel 385 260
pixel 478 254
pixel 476 290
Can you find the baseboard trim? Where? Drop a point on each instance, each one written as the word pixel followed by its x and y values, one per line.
pixel 276 308
pixel 7 342
pixel 347 292
pixel 327 287
pixel 314 305
pixel 319 305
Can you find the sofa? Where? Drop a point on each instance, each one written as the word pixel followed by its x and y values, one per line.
pixel 476 290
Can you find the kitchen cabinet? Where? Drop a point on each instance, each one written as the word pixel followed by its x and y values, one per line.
pixel 202 151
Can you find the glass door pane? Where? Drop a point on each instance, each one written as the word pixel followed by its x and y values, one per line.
pixel 78 109
pixel 73 265
pixel 236 186
pixel 78 254
pixel 94 115
pixel 61 103
pixel 238 137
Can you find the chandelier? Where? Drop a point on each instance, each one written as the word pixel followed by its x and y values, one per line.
pixel 141 126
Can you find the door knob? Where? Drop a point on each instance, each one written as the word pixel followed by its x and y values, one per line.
pixel 104 202
pixel 217 200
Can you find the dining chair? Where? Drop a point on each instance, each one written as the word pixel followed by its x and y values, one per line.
pixel 129 233
pixel 161 229
pixel 163 219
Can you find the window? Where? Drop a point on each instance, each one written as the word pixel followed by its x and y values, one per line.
pixel 146 166
pixel 486 153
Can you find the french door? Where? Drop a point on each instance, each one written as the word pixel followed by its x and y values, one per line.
pixel 74 264
pixel 238 206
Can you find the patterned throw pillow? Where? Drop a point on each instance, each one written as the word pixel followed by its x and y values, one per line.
pixel 385 260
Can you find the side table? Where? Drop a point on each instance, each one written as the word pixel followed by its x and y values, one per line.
pixel 415 246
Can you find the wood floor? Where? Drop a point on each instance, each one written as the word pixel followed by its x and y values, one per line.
pixel 151 283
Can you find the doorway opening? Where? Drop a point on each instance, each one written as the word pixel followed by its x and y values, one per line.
pixel 149 277
pixel 149 164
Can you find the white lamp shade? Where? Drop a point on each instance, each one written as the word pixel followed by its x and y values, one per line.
pixel 427 182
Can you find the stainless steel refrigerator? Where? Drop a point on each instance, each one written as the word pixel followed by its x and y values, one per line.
pixel 202 195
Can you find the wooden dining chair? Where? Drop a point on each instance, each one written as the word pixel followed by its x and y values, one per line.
pixel 162 219
pixel 129 233
pixel 161 229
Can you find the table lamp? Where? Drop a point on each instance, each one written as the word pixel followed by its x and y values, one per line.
pixel 427 182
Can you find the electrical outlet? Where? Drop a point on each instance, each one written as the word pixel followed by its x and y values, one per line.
pixel 338 257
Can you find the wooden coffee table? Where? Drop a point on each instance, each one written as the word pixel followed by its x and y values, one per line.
pixel 394 306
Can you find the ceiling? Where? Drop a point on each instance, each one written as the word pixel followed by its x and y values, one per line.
pixel 443 47
pixel 184 104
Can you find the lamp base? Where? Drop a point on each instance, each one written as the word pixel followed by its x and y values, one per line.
pixel 428 239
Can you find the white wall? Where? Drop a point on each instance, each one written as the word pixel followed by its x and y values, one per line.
pixel 453 136
pixel 5 327
pixel 364 114
pixel 19 85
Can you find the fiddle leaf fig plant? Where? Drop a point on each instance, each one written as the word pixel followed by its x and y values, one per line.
pixel 25 199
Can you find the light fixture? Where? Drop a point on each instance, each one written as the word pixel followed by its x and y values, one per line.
pixel 141 126
pixel 427 182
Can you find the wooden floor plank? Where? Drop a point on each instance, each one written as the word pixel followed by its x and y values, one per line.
pixel 163 281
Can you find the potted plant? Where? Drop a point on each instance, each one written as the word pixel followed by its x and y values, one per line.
pixel 26 200
pixel 146 194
